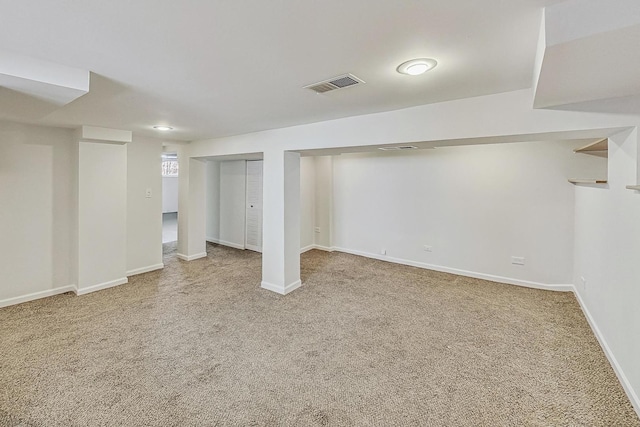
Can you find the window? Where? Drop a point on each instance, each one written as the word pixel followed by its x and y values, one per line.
pixel 169 167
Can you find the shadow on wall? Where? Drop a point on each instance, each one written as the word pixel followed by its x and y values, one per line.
pixel 37 166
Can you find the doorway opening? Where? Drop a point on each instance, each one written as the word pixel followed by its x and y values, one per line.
pixel 234 201
pixel 169 197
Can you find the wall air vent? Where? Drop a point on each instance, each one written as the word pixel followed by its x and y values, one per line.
pixel 339 82
pixel 398 148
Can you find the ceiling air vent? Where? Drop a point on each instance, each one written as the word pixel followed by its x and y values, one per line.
pixel 339 82
pixel 398 147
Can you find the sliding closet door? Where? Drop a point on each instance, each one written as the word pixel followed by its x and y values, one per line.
pixel 254 206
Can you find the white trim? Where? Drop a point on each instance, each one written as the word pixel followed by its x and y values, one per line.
pixel 307 248
pixel 279 289
pixel 626 385
pixel 225 243
pixel 483 276
pixel 323 248
pixel 101 286
pixel 37 295
pixel 252 248
pixel 145 269
pixel 192 257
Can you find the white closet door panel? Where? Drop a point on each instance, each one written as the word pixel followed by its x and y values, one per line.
pixel 254 206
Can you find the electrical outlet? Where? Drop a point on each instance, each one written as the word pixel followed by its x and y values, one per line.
pixel 517 260
pixel 148 193
pixel 584 282
pixel 317 229
pixel 383 251
pixel 427 248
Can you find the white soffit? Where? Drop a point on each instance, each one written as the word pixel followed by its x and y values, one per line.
pixel 94 133
pixel 45 80
pixel 576 19
pixel 590 53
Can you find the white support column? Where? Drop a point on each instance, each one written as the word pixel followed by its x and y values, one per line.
pixel 192 242
pixel 281 222
pixel 637 146
pixel 100 247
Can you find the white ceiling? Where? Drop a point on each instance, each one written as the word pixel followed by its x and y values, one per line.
pixel 219 67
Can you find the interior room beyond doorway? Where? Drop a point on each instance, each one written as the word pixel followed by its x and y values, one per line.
pixel 169 197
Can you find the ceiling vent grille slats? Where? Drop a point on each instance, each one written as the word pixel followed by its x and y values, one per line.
pixel 339 82
pixel 322 87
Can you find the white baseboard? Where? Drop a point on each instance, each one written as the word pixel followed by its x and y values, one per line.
pixel 279 289
pixel 631 394
pixel 101 286
pixel 236 246
pixel 483 276
pixel 192 257
pixel 37 295
pixel 145 269
pixel 225 243
pixel 319 247
pixel 307 248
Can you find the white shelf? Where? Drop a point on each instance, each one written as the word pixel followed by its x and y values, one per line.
pixel 633 187
pixel 588 181
pixel 598 148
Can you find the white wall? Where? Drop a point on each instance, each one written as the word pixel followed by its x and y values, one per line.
pixel 102 215
pixel 169 194
pixel 191 205
pixel 233 185
pixel 74 214
pixel 36 218
pixel 307 201
pixel 324 200
pixel 607 255
pixel 144 221
pixel 212 202
pixel 476 206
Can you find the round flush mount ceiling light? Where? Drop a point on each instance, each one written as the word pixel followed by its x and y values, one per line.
pixel 163 127
pixel 417 66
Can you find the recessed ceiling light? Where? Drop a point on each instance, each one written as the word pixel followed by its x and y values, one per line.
pixel 162 127
pixel 417 66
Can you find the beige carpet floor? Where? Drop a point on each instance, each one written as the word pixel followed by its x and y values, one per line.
pixel 362 343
